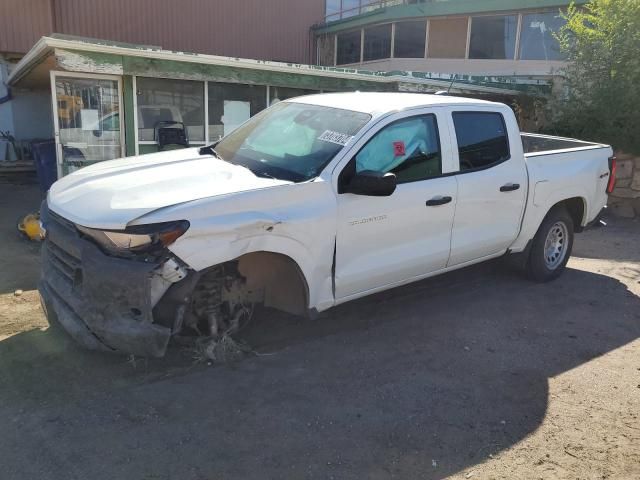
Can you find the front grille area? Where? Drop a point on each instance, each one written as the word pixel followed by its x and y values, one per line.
pixel 64 259
pixel 65 264
pixel 93 295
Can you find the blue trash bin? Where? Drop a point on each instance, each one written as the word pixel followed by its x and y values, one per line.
pixel 44 158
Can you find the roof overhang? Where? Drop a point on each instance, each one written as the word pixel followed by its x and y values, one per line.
pixel 47 47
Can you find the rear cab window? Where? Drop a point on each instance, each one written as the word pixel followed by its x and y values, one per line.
pixel 482 139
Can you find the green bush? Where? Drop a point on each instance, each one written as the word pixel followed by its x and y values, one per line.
pixel 600 99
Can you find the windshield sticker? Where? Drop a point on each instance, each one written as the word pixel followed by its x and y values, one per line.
pixel 335 137
pixel 398 149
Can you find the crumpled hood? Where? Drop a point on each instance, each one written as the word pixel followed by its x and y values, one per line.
pixel 111 194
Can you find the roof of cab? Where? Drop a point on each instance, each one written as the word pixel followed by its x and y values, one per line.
pixel 378 103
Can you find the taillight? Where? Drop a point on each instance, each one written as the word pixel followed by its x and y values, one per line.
pixel 612 174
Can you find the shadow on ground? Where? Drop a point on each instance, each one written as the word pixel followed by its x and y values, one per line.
pixel 418 382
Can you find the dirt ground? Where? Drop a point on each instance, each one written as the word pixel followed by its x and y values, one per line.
pixel 475 374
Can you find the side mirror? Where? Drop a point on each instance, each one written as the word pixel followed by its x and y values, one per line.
pixel 374 184
pixel 97 133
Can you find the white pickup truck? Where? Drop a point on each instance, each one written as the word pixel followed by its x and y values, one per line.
pixel 311 203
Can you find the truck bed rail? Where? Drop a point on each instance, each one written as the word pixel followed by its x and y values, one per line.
pixel 538 144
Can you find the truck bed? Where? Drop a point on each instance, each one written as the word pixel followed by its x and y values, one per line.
pixel 538 144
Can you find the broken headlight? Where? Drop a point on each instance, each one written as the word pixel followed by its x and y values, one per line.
pixel 138 238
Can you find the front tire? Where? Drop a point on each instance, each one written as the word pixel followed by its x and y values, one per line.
pixel 551 246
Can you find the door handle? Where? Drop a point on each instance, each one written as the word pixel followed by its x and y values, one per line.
pixel 435 201
pixel 510 187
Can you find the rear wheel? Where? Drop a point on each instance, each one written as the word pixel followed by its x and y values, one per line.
pixel 551 247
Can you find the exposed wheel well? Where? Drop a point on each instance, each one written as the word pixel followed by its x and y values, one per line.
pixel 278 277
pixel 576 208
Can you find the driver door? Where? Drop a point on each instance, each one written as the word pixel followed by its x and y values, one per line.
pixel 383 241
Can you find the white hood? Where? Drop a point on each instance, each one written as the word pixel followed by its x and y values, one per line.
pixel 111 194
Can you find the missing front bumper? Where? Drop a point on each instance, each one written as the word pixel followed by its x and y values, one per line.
pixel 101 301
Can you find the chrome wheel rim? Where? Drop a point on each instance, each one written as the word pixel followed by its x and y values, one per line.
pixel 555 245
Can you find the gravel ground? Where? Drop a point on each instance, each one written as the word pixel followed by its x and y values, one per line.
pixel 474 374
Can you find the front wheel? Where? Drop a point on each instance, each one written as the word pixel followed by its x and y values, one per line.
pixel 551 247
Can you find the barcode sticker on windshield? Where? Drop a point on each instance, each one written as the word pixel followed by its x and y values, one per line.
pixel 335 137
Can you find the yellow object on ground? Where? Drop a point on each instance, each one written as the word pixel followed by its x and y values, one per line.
pixel 30 226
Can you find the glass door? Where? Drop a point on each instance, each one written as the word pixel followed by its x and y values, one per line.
pixel 87 119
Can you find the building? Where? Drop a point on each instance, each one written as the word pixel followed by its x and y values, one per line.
pixel 258 30
pixel 211 64
pixel 489 37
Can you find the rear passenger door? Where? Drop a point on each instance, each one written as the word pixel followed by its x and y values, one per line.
pixel 492 185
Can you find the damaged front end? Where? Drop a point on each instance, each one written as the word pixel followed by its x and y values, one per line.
pixel 102 287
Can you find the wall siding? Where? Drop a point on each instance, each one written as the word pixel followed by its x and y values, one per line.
pixel 22 23
pixel 268 30
pixel 273 30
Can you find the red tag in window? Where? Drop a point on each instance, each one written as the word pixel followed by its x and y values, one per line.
pixel 398 149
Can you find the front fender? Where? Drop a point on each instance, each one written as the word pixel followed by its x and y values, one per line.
pixel 202 252
pixel 298 221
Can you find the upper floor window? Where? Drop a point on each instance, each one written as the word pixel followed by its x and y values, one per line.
pixel 350 8
pixel 409 148
pixel 448 38
pixel 377 42
pixel 348 47
pixel 493 37
pixel 332 10
pixel 409 39
pixel 482 139
pixel 537 40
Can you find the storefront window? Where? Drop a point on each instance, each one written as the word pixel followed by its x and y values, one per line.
pixel 231 104
pixel 448 38
pixel 537 40
pixel 348 48
pixel 277 94
pixel 493 37
pixel 326 49
pixel 409 39
pixel 164 100
pixel 377 42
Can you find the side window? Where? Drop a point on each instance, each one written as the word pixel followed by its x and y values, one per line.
pixel 482 139
pixel 409 148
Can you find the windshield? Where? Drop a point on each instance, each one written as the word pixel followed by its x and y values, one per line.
pixel 291 141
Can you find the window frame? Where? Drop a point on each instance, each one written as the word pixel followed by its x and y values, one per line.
pixel 363 41
pixel 136 104
pixel 522 30
pixel 350 167
pixel 360 33
pixel 457 145
pixel 516 34
pixel 424 21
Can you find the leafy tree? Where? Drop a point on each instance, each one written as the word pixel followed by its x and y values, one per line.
pixel 600 99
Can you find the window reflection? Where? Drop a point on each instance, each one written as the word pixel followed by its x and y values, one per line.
pixel 493 37
pixel 537 40
pixel 231 104
pixel 377 42
pixel 409 39
pixel 164 100
pixel 348 48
